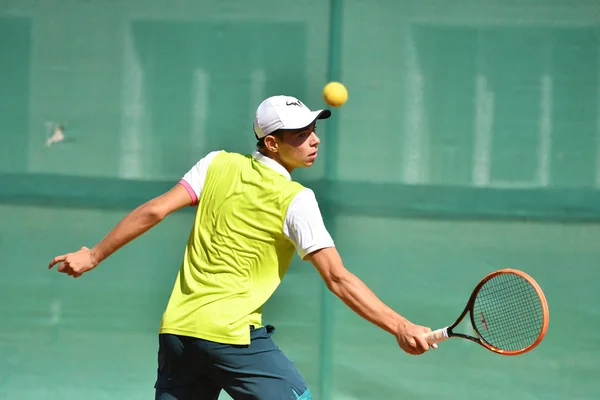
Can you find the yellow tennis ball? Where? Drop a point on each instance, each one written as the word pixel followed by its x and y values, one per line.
pixel 335 94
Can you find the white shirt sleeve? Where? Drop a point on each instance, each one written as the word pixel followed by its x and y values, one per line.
pixel 304 224
pixel 194 179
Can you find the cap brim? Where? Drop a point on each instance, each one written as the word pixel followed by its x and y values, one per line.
pixel 310 119
pixel 323 114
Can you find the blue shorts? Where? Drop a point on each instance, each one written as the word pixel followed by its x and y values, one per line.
pixel 191 368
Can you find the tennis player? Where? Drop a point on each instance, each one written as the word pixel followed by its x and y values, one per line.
pixel 251 218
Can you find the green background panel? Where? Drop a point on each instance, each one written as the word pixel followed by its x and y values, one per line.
pixel 470 142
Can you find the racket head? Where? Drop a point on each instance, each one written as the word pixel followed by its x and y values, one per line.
pixel 509 312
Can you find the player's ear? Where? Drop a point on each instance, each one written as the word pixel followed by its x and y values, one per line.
pixel 271 143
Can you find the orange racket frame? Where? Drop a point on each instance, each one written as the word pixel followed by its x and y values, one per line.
pixel 448 332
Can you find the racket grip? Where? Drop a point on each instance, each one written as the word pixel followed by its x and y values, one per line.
pixel 436 336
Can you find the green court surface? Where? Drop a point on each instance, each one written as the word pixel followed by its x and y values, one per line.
pixel 95 337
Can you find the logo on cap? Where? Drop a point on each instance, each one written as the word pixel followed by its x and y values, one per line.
pixel 293 103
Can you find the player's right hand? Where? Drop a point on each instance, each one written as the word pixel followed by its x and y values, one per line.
pixel 410 338
pixel 75 264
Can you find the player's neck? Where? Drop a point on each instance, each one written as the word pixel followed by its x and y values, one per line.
pixel 275 157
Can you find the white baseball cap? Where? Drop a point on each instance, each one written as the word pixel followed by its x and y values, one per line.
pixel 284 112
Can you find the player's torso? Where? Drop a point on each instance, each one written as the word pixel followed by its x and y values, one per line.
pixel 237 252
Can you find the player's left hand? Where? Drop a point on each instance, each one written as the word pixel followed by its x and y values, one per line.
pixel 75 264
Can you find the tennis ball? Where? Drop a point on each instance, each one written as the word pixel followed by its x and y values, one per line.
pixel 335 94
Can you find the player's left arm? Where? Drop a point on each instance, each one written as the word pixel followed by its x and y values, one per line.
pixel 133 225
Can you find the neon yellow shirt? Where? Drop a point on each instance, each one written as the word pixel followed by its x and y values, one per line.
pixel 237 252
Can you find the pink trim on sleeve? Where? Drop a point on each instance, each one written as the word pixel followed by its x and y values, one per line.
pixel 190 191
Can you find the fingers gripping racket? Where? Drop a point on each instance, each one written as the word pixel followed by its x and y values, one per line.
pixel 508 313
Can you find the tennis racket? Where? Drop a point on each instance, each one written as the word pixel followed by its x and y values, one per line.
pixel 508 313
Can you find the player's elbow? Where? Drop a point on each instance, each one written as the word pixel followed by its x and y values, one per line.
pixel 331 268
pixel 153 211
pixel 337 280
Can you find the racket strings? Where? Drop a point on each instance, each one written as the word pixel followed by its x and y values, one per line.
pixel 515 320
pixel 508 312
pixel 507 295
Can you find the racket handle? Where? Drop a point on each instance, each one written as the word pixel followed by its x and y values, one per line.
pixel 436 336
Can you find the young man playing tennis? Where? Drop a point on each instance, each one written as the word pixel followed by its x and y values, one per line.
pixel 250 219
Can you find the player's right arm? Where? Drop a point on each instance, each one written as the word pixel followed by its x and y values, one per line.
pixel 360 299
pixel 305 228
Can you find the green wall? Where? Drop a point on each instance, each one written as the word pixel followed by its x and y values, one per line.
pixel 469 143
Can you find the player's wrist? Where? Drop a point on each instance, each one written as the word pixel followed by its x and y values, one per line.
pixel 95 256
pixel 398 325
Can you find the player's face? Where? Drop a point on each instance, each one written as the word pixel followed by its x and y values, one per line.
pixel 299 148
